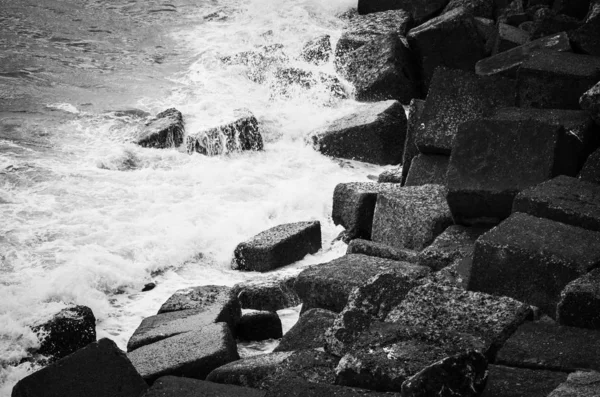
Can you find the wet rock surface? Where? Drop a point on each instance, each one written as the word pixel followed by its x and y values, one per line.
pixel 175 386
pixel 296 387
pixel 317 51
pixel 420 10
pixel 308 332
pixel 455 243
pixel 205 297
pixel 516 382
pixel 579 384
pixel 428 170
pixel 579 304
pixel 248 372
pixel 165 130
pixel 310 365
pixel 371 248
pixel 272 294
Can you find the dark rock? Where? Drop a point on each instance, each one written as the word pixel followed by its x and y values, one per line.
pixel 420 10
pixel 174 386
pixel 259 325
pixel 575 8
pixel 494 159
pixel 268 294
pixel 456 96
pixel 287 81
pixel 308 332
pixel 278 246
pixel 428 169
pixel 532 259
pixel 590 102
pixel 518 382
pixel 149 287
pixel 375 134
pixel 488 31
pixel 192 354
pixel 317 51
pixel 208 298
pixel 526 26
pixel 450 40
pixel 69 330
pixel 478 8
pixel 371 248
pixel 393 175
pixel 411 217
pixel 384 68
pixel 241 134
pixel 328 285
pixel 579 384
pixel 579 304
pixel 354 205
pixel 310 365
pixel 367 303
pixel 508 37
pixel 556 80
pixel 508 62
pixel 456 242
pixel 591 169
pixel 165 130
pixel 441 306
pixel 512 13
pixel 248 372
pixel 586 39
pixel 98 370
pixel 546 23
pixel 295 387
pixel 415 111
pixel 260 61
pixel 552 347
pixel 563 199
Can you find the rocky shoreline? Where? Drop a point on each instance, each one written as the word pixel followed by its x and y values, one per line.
pixel 472 270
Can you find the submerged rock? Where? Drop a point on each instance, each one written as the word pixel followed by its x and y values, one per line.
pixel 318 50
pixel 165 130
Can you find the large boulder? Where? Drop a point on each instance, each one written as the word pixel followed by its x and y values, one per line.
pixel 411 217
pixel 450 40
pixel 164 130
pixel 579 304
pixel 354 206
pixel 548 346
pixel 374 134
pixel 278 246
pixel 546 23
pixel 590 101
pixel 428 169
pixel 563 199
pixel 308 332
pixel 241 134
pixel 328 285
pixel 317 51
pixel 250 371
pixel 456 96
pixel 455 243
pixel 415 112
pixel 272 294
pixel 310 365
pixel 296 387
pixel 259 325
pixel 371 248
pixel 205 297
pixel 556 80
pixel 579 384
pixel 517 382
pixel 100 369
pixel 591 169
pixel 175 386
pixel 494 159
pixel 420 10
pixel 384 68
pixel 586 39
pixel 532 259
pixel 508 62
pixel 505 38
pixel 69 330
pixel 192 354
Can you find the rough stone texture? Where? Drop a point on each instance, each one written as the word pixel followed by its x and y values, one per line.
pixel 278 246
pixel 310 365
pixel 590 101
pixel 192 354
pixel 518 382
pixel 270 294
pixel 579 384
pixel 164 130
pixel 411 217
pixel 384 68
pixel 494 159
pixel 428 169
pixel 532 259
pixel 511 12
pixel 591 169
pixel 575 8
pixel 420 10
pixel 308 332
pixel 556 80
pixel 241 134
pixel 363 29
pixel 295 387
pixel 317 51
pixel 454 97
pixel 260 61
pixel 208 298
pixel 478 8
pixel 174 386
pixel 366 304
pixel 393 175
pixel 259 325
pixel 69 330
pixel 415 111
pixel 248 372
pixel 328 285
pixel 579 304
pixel 552 347
pixel 546 23
pixel 586 39
pixel 456 242
pixel 508 37
pixel 450 40
pixel 488 31
pixel 563 199
pixel 374 134
pixel 371 248
pixel 508 62
pixel 354 206
pixel 100 369
pixel 442 306
pixel 286 82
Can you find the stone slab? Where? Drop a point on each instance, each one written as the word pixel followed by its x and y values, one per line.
pixel 175 386
pixel 428 169
pixel 455 243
